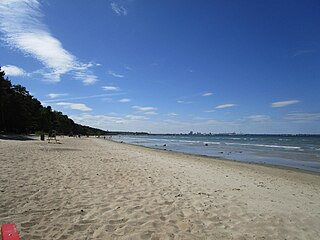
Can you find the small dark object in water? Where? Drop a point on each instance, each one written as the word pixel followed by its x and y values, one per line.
pixel 81 210
pixel 221 152
pixel 206 144
pixel 164 145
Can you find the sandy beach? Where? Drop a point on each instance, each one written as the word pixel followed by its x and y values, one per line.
pixel 92 188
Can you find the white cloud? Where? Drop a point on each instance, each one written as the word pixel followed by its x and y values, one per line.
pixel 74 106
pixel 115 74
pixel 125 100
pixel 258 118
pixel 143 109
pixel 150 113
pixel 303 117
pixel 85 76
pixel 141 123
pixel 209 111
pixel 200 118
pixel 99 121
pixel 55 95
pixel 84 97
pixel 284 103
pixel 135 117
pixel 110 88
pixel 119 9
pixel 207 94
pixel 226 105
pixel 183 102
pixel 302 52
pixel 23 30
pixel 172 114
pixel 12 70
pixel 128 68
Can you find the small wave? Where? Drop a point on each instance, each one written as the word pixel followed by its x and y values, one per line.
pixel 213 143
pixel 263 145
pixel 188 141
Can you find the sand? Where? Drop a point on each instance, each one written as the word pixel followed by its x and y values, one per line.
pixel 98 189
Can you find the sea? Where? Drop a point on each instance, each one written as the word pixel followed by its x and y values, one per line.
pixel 294 151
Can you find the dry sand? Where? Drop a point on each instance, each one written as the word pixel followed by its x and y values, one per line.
pixel 98 189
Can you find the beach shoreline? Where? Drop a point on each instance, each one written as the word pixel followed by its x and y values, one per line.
pixel 297 152
pixel 221 158
pixel 92 188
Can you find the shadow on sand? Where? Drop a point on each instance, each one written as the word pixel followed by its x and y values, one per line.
pixel 15 137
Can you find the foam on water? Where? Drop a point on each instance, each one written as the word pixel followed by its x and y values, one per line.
pixel 292 151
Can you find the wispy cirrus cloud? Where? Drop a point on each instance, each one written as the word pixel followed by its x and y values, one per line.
pixel 136 117
pixel 228 105
pixel 110 88
pixel 128 68
pixel 12 70
pixel 23 29
pixel 125 100
pixel 112 73
pixel 118 8
pixel 284 103
pixel 83 97
pixel 172 114
pixel 259 118
pixel 207 94
pixel 210 111
pixel 144 109
pixel 142 123
pixel 183 102
pixel 151 113
pixel 302 52
pixel 303 117
pixel 56 95
pixel 74 106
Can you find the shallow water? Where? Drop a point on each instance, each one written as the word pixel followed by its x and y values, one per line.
pixel 301 152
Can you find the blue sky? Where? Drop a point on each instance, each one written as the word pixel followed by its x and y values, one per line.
pixel 169 66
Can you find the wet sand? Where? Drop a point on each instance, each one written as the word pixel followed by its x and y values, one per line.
pixel 99 189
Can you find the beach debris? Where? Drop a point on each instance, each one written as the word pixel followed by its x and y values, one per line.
pixel 9 231
pixel 202 193
pixel 81 210
pixel 179 195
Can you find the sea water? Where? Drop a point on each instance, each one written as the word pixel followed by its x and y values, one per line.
pixel 301 152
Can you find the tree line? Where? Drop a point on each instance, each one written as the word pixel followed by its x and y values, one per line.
pixel 22 113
